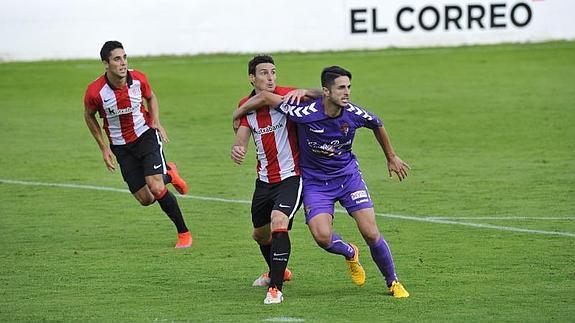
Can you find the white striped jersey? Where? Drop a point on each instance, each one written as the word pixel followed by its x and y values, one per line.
pixel 275 139
pixel 122 110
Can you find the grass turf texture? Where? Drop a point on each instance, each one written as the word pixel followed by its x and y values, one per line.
pixel 487 130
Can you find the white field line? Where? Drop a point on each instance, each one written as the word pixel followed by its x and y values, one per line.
pixel 522 218
pixel 439 220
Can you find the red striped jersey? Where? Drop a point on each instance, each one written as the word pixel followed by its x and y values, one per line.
pixel 275 139
pixel 125 117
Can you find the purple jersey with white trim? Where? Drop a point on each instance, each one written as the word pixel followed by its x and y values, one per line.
pixel 325 143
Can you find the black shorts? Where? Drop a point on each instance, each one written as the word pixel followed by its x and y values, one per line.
pixel 140 158
pixel 284 196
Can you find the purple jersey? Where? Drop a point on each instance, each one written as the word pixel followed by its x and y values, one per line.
pixel 325 142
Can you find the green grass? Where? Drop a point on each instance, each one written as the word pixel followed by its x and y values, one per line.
pixel 487 130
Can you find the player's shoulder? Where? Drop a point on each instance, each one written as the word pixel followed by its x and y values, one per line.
pixel 96 85
pixel 138 75
pixel 358 112
pixel 306 111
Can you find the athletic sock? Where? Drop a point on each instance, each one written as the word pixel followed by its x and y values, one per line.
pixel 267 253
pixel 382 256
pixel 167 178
pixel 170 206
pixel 280 251
pixel 340 247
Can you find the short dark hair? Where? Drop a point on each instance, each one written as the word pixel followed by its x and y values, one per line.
pixel 329 74
pixel 108 47
pixel 258 59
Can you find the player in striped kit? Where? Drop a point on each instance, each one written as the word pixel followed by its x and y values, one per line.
pixel 277 195
pixel 135 134
pixel 326 130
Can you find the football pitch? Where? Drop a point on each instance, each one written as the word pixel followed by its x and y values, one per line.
pixel 483 229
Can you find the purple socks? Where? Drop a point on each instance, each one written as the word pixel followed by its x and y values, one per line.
pixel 382 256
pixel 340 247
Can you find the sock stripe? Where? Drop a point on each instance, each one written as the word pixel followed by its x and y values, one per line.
pixel 162 194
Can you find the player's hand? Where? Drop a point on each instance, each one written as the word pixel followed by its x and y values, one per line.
pixel 294 96
pixel 163 134
pixel 238 154
pixel 109 159
pixel 397 166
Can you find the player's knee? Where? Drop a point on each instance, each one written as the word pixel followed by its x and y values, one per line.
pixel 157 188
pixel 146 200
pixel 371 237
pixel 260 238
pixel 279 220
pixel 322 239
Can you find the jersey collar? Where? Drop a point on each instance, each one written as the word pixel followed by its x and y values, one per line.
pixel 129 80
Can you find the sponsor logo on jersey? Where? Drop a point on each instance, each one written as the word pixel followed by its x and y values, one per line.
pixel 113 111
pixel 329 149
pixel 268 129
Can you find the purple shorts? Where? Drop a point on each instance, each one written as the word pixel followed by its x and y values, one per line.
pixel 320 196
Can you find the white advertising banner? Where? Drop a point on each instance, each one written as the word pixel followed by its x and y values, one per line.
pixel 61 29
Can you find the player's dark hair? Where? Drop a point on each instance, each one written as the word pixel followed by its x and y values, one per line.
pixel 258 59
pixel 329 74
pixel 108 47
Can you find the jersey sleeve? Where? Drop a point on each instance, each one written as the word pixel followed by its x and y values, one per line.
pixel 244 122
pixel 365 118
pixel 90 101
pixel 283 90
pixel 145 87
pixel 244 119
pixel 300 113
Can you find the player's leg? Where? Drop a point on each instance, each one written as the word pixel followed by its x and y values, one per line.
pixel 144 196
pixel 261 209
pixel 154 166
pixel 287 196
pixel 133 173
pixel 380 252
pixel 320 227
pixel 319 198
pixel 357 201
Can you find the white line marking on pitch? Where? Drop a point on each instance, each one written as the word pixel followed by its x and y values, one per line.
pixel 439 220
pixel 284 319
pixel 552 218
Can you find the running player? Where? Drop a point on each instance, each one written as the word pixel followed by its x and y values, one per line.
pixel 135 134
pixel 326 129
pixel 277 194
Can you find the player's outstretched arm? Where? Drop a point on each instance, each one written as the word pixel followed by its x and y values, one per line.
pixel 394 163
pixel 298 95
pixel 238 153
pixel 258 101
pixel 94 127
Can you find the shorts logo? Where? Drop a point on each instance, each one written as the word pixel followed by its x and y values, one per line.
pixel 358 195
pixel 157 166
pixel 283 205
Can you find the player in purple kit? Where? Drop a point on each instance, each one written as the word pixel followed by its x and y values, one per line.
pixel 326 129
